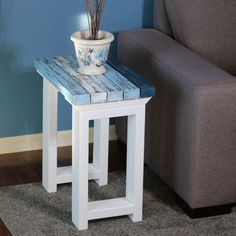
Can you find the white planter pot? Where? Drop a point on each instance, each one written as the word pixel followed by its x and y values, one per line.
pixel 92 54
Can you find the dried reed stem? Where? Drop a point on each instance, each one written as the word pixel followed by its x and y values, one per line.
pixel 94 11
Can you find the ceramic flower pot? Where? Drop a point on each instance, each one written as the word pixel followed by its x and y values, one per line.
pixel 92 54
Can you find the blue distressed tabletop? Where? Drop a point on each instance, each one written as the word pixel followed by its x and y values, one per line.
pixel 117 84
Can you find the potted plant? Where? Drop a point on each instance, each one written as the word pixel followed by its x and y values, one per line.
pixel 92 46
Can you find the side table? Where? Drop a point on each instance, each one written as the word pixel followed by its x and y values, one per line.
pixel 119 92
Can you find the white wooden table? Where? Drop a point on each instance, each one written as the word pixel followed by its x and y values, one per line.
pixel 119 92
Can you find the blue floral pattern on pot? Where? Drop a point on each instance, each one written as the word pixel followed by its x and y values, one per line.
pixel 92 54
pixel 89 56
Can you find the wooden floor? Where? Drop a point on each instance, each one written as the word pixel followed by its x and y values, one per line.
pixel 26 167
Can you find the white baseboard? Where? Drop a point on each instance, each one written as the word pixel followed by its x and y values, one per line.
pixel 34 141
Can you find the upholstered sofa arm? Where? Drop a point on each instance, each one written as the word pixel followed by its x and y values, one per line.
pixel 191 124
pixel 171 55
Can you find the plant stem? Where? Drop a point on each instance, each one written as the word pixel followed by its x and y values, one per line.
pixel 94 12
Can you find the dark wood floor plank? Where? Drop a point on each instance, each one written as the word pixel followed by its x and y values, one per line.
pixel 26 167
pixel 4 230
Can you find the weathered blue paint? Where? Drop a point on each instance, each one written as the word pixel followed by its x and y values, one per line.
pixel 96 93
pixel 80 89
pixel 114 92
pixel 146 89
pixel 33 29
pixel 131 91
pixel 62 81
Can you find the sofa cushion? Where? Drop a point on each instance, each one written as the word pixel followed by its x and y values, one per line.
pixel 161 20
pixel 207 27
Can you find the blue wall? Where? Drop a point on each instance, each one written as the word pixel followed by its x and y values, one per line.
pixel 32 29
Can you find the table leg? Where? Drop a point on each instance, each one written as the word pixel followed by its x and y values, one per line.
pixel 100 149
pixel 135 162
pixel 80 134
pixel 50 96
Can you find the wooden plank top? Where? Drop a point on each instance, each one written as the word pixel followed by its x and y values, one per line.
pixel 117 84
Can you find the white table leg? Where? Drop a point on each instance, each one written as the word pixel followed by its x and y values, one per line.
pixel 135 162
pixel 100 149
pixel 80 127
pixel 50 96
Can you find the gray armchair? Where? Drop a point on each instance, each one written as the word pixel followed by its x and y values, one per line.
pixel 190 56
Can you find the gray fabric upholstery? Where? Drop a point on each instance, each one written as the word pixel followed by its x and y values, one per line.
pixel 161 20
pixel 190 124
pixel 207 27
